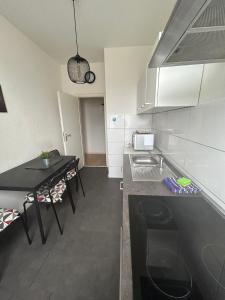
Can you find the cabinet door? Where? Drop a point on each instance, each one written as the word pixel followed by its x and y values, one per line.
pixel 213 86
pixel 151 90
pixel 141 93
pixel 179 86
pixel 139 98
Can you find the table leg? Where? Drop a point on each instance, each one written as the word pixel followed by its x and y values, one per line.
pixel 39 218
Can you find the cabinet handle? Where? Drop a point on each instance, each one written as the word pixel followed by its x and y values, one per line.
pixel 147 103
pixel 121 185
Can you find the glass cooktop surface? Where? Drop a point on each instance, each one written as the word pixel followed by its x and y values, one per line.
pixel 177 248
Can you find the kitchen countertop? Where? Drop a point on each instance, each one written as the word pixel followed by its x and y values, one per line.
pixel 131 187
pixel 130 150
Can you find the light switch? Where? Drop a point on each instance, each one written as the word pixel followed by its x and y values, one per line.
pixel 116 121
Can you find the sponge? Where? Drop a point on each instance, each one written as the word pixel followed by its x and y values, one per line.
pixel 183 181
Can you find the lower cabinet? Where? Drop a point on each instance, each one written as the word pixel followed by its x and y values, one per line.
pixel 115 172
pixel 115 159
pixel 121 261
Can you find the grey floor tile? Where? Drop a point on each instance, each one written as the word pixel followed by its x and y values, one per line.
pixel 81 264
pixel 5 294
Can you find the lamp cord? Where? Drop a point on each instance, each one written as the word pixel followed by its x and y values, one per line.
pixel 75 24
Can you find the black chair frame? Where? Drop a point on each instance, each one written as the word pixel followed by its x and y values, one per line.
pixel 24 225
pixel 74 165
pixel 53 181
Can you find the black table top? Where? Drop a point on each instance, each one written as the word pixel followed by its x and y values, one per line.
pixel 22 179
pixel 38 164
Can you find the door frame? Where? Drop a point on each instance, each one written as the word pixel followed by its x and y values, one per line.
pixel 62 126
pixel 94 95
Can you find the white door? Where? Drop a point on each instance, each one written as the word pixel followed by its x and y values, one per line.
pixel 70 124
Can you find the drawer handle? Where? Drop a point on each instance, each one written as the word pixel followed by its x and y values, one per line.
pixel 121 185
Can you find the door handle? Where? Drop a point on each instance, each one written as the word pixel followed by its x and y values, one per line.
pixel 66 136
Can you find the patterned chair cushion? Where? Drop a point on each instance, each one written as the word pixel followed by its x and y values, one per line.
pixel 43 193
pixel 72 173
pixel 7 216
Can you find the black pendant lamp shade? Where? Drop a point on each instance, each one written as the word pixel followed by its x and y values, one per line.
pixel 77 66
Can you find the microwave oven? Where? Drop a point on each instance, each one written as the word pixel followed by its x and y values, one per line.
pixel 143 141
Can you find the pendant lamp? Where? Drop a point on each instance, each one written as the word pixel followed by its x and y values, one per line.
pixel 77 66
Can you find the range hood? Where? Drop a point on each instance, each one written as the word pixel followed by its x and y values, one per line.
pixel 194 34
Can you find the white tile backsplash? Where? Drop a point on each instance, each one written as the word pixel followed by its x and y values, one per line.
pixel 207 125
pixel 176 149
pixel 138 121
pixel 194 139
pixel 115 160
pixel 207 165
pixel 177 121
pixel 115 148
pixel 128 135
pixel 115 135
pixel 120 127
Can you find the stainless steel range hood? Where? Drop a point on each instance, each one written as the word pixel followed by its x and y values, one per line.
pixel 195 33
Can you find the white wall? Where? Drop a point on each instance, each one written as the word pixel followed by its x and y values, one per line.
pixel 93 125
pixel 84 90
pixel 123 68
pixel 194 138
pixel 29 80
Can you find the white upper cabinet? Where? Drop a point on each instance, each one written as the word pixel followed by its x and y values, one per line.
pixel 141 93
pixel 151 88
pixel 213 86
pixel 167 88
pixel 179 86
pixel 170 87
pixel 147 88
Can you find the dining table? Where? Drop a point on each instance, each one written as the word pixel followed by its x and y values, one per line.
pixel 30 176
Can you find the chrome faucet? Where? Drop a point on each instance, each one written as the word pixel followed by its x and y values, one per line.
pixel 161 161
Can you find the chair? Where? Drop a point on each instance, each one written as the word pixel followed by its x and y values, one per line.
pixel 54 153
pixel 8 216
pixel 51 193
pixel 78 177
pixel 73 172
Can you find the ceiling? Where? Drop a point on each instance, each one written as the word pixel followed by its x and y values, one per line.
pixel 101 23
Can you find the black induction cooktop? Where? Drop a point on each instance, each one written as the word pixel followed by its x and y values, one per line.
pixel 177 248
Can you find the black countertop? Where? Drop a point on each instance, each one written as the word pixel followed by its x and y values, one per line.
pixel 146 189
pixel 131 187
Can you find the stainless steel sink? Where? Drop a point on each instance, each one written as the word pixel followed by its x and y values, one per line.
pixel 144 160
pixel 148 168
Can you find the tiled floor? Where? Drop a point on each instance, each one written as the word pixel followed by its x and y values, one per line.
pixel 95 160
pixel 83 264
